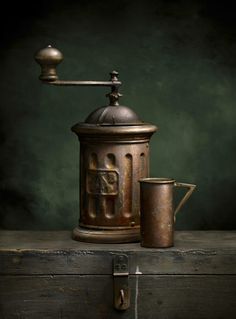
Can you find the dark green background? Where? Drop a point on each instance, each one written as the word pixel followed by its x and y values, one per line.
pixel 177 61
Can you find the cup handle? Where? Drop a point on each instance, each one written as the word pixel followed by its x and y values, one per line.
pixel 191 188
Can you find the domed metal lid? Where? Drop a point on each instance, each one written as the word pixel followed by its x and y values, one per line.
pixel 113 120
pixel 113 115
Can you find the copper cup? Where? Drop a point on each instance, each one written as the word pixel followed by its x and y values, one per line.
pixel 157 211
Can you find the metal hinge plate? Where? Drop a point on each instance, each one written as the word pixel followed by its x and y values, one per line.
pixel 121 282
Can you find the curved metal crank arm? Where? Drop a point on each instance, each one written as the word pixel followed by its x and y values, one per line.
pixel 48 58
pixel 84 83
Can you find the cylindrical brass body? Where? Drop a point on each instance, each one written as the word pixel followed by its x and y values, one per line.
pixel 112 160
pixel 157 215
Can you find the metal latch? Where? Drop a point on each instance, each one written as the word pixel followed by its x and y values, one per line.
pixel 121 282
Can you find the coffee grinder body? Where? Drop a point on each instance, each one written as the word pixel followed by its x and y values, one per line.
pixel 114 155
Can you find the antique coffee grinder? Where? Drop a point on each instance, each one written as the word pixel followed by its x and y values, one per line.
pixel 114 155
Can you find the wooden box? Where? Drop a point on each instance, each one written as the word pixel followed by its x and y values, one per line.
pixel 48 275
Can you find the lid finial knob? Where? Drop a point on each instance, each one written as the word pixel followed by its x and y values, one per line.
pixel 114 95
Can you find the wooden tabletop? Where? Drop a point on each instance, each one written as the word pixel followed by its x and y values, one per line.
pixel 61 240
pixel 54 252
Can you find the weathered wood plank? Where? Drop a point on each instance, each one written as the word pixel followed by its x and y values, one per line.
pixel 61 240
pixel 101 263
pixel 195 252
pixel 86 297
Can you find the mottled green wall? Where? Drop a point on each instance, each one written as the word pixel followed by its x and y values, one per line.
pixel 177 62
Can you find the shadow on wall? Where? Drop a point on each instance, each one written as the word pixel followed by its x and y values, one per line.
pixel 16 208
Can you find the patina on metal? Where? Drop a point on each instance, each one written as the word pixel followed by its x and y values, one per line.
pixel 114 155
pixel 121 289
pixel 157 211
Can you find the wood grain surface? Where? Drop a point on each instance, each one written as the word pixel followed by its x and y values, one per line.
pixel 86 297
pixel 47 275
pixel 195 252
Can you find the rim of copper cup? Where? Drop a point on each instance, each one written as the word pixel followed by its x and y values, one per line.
pixel 157 180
